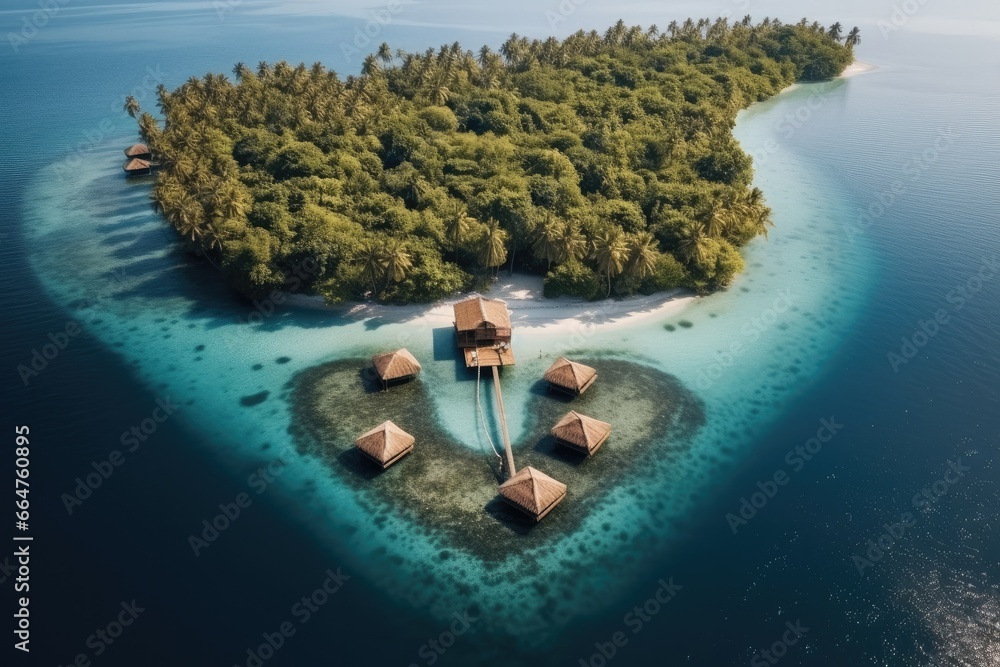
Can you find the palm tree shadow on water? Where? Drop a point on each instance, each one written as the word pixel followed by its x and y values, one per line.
pixel 158 264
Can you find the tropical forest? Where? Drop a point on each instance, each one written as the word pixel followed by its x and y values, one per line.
pixel 604 162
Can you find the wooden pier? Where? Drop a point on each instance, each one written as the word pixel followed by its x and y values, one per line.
pixel 503 424
pixel 483 334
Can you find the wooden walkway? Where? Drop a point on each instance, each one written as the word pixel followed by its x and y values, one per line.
pixel 487 356
pixel 503 424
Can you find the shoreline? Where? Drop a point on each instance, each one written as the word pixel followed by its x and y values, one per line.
pixel 857 68
pixel 531 311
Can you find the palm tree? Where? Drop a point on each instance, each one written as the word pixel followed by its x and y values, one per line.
pixel 397 261
pixel 162 98
pixel 643 251
pixel 756 215
pixel 149 131
pixel 694 242
pixel 187 218
pixel 493 247
pixel 457 225
pixel 228 202
pixel 415 188
pixel 835 31
pixel 439 94
pixel 719 221
pixel 211 240
pixel 384 53
pixel 611 253
pixel 483 57
pixel 188 228
pixel 719 29
pixel 181 165
pixel 512 50
pixel 131 106
pixel 702 27
pixel 616 33
pixel 370 66
pixel 572 244
pixel 687 28
pixel 371 259
pixel 546 245
pixel 240 71
pixel 853 37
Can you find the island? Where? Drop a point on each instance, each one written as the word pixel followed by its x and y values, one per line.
pixel 605 162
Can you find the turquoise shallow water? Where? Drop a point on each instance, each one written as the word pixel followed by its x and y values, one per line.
pixel 82 243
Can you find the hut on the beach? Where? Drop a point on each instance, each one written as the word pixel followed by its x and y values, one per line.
pixel 580 432
pixel 533 492
pixel 483 332
pixel 396 367
pixel 569 376
pixel 385 444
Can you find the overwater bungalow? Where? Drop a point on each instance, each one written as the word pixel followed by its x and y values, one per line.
pixel 385 444
pixel 396 367
pixel 483 332
pixel 581 433
pixel 570 377
pixel 533 492
pixel 140 151
pixel 140 161
pixel 138 167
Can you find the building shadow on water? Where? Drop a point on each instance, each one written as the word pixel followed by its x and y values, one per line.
pixel 547 446
pixel 446 349
pixel 370 382
pixel 541 388
pixel 356 463
pixel 510 518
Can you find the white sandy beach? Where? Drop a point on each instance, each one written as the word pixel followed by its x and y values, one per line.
pixel 856 68
pixel 530 310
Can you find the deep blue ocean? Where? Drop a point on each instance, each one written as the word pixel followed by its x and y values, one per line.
pixel 875 403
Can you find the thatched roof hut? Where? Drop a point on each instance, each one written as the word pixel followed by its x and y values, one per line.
pixel 138 167
pixel 570 376
pixel 396 366
pixel 385 444
pixel 580 432
pixel 480 313
pixel 140 151
pixel 533 492
pixel 483 332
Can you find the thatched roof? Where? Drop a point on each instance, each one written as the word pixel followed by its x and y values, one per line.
pixel 394 365
pixel 136 164
pixel 570 375
pixel 385 443
pixel 477 311
pixel 136 150
pixel 533 492
pixel 581 431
